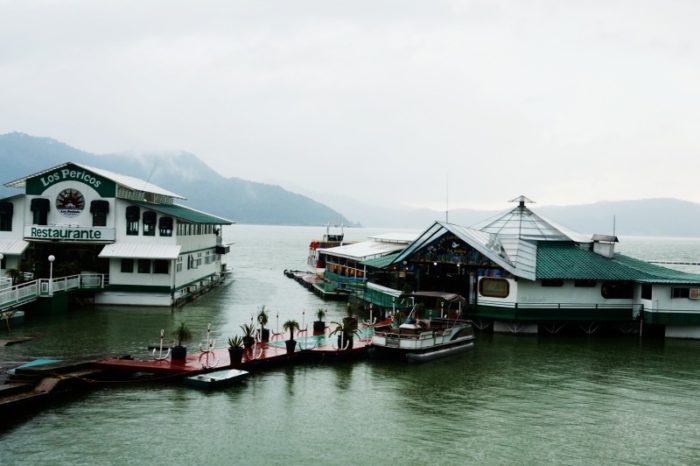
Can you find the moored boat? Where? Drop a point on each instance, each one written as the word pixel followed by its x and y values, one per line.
pixel 217 379
pixel 420 340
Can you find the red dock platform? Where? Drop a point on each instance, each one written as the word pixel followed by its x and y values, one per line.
pixel 319 347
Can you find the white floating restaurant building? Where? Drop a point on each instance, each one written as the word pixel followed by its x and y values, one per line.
pixel 131 237
pixel 522 273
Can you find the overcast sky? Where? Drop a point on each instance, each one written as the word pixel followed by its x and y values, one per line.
pixel 386 101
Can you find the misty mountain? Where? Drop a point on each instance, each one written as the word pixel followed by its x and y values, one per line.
pixel 181 172
pixel 645 217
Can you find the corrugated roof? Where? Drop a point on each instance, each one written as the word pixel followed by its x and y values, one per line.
pixel 140 251
pixel 363 250
pixel 13 247
pixel 185 213
pixel 567 261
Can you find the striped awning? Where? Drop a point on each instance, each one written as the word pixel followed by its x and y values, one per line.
pixel 140 251
pixel 13 247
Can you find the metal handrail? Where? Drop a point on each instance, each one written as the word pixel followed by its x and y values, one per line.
pixel 43 287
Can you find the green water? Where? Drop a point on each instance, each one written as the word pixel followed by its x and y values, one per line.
pixel 513 400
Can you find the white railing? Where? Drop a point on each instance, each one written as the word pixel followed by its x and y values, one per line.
pixel 43 287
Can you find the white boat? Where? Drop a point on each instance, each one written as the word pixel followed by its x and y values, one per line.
pixel 314 260
pixel 216 379
pixel 425 339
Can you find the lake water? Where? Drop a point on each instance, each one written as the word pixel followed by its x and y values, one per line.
pixel 513 400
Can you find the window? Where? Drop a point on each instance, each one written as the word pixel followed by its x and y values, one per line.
pixel 165 225
pixel 6 211
pixel 40 210
pixel 161 266
pixel 617 290
pixel 494 287
pixel 646 291
pixel 133 213
pixel 552 282
pixel 178 267
pixel 680 292
pixel 584 283
pixel 127 265
pixel 99 210
pixel 149 223
pixel 144 266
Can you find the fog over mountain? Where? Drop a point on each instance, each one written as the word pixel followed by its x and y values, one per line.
pixel 252 202
pixel 180 172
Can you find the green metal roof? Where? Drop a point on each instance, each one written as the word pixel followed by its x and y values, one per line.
pixel 566 261
pixel 185 213
pixel 381 262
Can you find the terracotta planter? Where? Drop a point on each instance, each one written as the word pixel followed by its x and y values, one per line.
pixel 265 335
pixel 345 340
pixel 248 342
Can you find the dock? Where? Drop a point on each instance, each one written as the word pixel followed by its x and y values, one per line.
pixel 312 282
pixel 35 384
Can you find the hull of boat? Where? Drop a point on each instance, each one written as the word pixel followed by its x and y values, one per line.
pixel 425 353
pixel 440 353
pixel 216 379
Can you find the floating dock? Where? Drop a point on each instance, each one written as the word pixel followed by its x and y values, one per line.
pixel 314 283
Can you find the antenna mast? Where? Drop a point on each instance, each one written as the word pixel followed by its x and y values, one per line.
pixel 447 198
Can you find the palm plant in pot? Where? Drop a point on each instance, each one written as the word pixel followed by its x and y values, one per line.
pixel 262 320
pixel 320 325
pixel 235 350
pixel 248 335
pixel 349 321
pixel 291 325
pixel 182 335
pixel 346 331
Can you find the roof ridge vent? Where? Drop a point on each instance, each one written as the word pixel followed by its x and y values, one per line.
pixel 604 245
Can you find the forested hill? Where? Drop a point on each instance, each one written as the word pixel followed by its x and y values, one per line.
pixel 183 173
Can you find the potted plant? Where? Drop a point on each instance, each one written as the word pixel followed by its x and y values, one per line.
pixel 182 335
pixel 346 331
pixel 262 320
pixel 235 350
pixel 248 335
pixel 320 325
pixel 291 325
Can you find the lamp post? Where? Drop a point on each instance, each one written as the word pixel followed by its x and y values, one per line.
pixel 51 259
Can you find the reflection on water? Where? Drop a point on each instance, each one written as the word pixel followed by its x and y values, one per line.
pixel 522 400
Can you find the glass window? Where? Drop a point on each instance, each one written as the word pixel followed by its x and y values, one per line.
pixel 40 211
pixel 552 282
pixel 161 266
pixel 144 266
pixel 494 287
pixel 6 211
pixel 133 214
pixel 99 210
pixel 584 283
pixel 165 225
pixel 646 291
pixel 149 223
pixel 617 290
pixel 127 265
pixel 680 292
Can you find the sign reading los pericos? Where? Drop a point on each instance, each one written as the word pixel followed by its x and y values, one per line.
pixel 38 184
pixel 69 233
